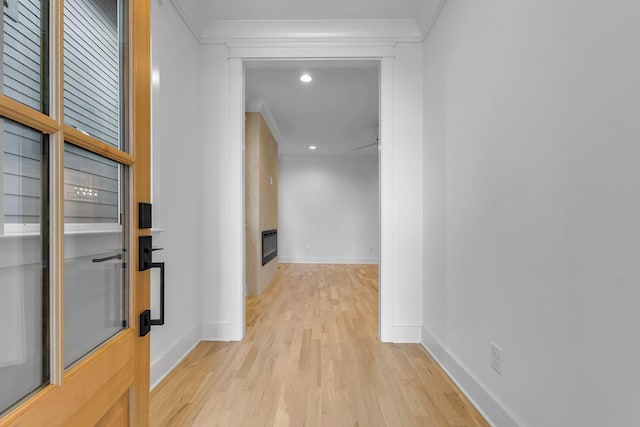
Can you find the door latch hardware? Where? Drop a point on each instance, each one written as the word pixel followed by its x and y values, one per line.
pixel 144 215
pixel 145 253
pixel 145 322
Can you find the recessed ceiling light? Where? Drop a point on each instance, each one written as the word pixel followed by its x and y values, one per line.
pixel 312 147
pixel 305 78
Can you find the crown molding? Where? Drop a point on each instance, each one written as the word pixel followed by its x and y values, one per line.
pixel 260 106
pixel 238 32
pixel 311 31
pixel 185 18
pixel 428 25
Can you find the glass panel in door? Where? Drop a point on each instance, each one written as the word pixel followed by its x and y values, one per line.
pixel 95 269
pixel 94 57
pixel 24 298
pixel 95 205
pixel 24 39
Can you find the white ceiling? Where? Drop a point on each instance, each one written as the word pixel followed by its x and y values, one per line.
pixel 304 9
pixel 336 112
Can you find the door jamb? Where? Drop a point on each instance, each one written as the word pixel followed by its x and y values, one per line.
pixel 236 230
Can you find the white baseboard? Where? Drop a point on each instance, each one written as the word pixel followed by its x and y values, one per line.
pixel 329 260
pixel 407 334
pixel 217 332
pixel 493 412
pixel 170 359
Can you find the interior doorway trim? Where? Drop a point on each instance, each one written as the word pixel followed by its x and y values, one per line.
pixel 237 55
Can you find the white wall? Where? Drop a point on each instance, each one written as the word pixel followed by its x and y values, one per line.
pixel 328 209
pixel 177 168
pixel 532 203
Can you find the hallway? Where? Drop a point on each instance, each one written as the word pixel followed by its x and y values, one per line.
pixel 311 357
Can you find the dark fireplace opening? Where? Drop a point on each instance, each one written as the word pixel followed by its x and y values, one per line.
pixel 269 245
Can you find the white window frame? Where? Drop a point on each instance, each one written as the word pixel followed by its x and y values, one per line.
pixel 69 228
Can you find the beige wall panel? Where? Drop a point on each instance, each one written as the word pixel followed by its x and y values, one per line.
pixel 261 199
pixel 252 205
pixel 268 179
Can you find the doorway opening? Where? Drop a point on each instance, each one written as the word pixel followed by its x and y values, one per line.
pixel 311 164
pixel 235 232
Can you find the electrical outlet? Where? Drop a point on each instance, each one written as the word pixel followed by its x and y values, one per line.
pixel 496 358
pixel 371 251
pixel 308 249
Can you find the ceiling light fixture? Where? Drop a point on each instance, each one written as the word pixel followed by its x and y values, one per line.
pixel 312 147
pixel 305 78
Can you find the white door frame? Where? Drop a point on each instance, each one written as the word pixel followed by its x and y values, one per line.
pixel 237 55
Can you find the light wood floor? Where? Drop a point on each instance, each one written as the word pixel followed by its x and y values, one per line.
pixel 311 357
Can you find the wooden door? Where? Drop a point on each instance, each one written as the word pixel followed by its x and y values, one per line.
pixel 75 163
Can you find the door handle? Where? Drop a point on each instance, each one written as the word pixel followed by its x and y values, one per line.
pixel 146 322
pixel 160 321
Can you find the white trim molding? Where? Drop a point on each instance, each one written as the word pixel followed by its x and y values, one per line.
pixel 237 55
pixel 407 334
pixel 259 106
pixel 386 197
pixel 311 51
pixel 428 16
pixel 488 406
pixel 164 364
pixel 235 253
pixel 226 31
pixel 313 30
pixel 185 18
pixel 218 332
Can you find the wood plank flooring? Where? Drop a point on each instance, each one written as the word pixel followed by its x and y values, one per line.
pixel 311 357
